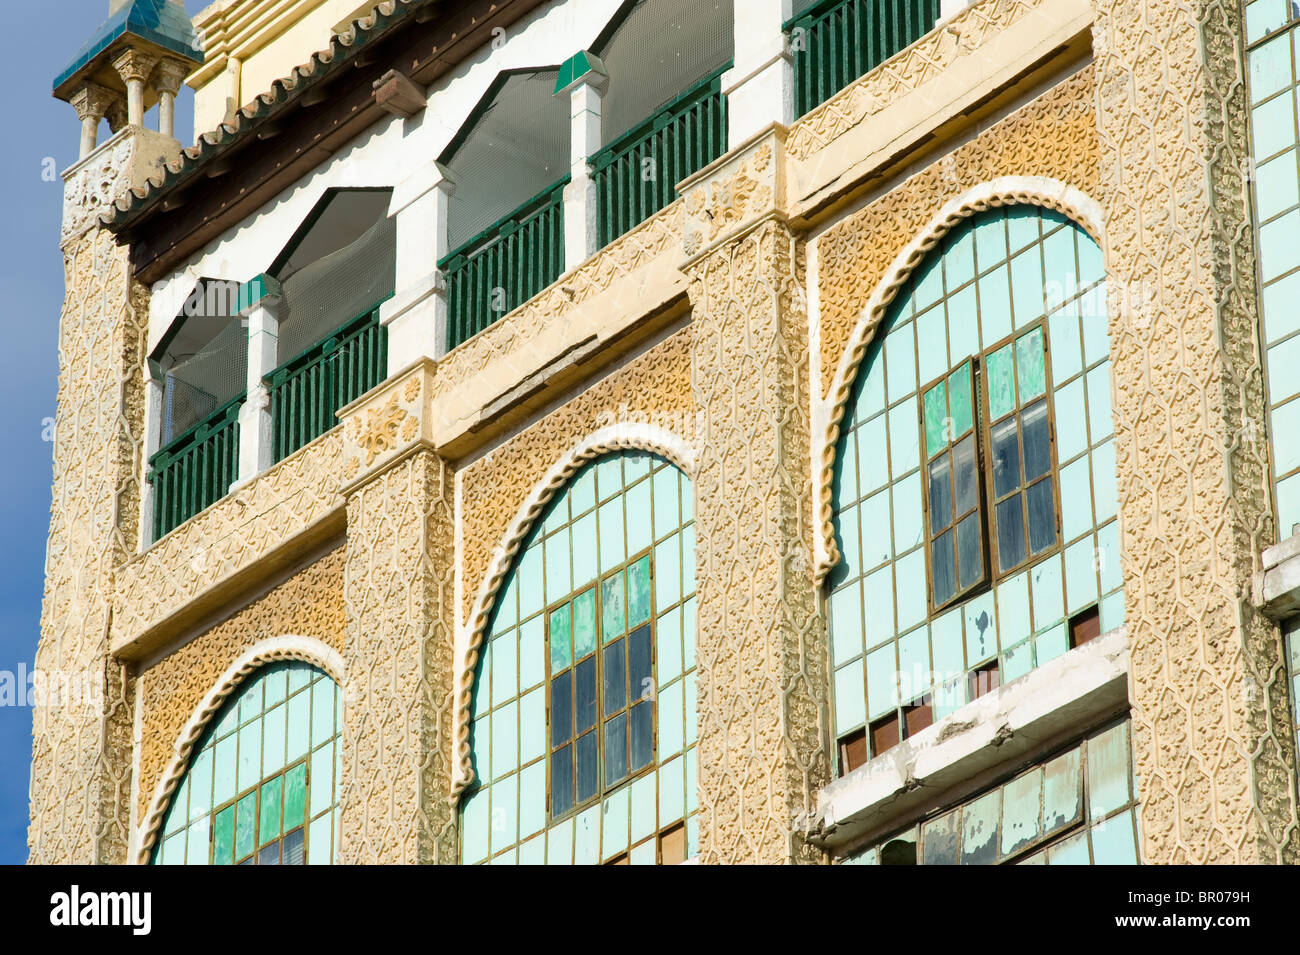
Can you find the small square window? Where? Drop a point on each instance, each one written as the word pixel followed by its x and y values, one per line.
pixel 984 680
pixel 885 734
pixel 1085 626
pixel 853 751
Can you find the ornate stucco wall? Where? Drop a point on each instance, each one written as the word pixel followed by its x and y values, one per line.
pixel 81 775
pixel 1214 755
pixel 397 737
pixel 308 604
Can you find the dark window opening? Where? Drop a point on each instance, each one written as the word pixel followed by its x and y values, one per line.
pixel 1085 626
pixel 985 679
pixel 853 751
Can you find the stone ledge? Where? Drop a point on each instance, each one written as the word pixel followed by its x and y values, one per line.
pixel 1011 722
pixel 1278 584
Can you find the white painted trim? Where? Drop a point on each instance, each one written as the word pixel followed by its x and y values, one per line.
pixel 828 412
pixel 289 647
pixel 628 436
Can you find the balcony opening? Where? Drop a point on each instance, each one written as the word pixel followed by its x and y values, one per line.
pixel 505 220
pixel 663 117
pixel 202 366
pixel 834 42
pixel 334 275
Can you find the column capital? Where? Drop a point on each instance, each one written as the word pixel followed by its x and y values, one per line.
pixel 93 101
pixel 262 291
pixel 430 176
pixel 135 65
pixel 170 74
pixel 584 68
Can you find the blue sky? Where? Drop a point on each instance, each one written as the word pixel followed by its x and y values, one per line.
pixel 39 128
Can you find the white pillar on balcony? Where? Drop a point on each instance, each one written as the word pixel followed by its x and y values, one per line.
pixel 416 315
pixel 583 79
pixel 135 67
pixel 153 425
pixel 92 103
pixel 168 78
pixel 760 85
pixel 259 304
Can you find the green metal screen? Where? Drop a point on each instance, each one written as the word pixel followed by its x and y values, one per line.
pixel 307 392
pixel 837 41
pixel 196 469
pixel 505 265
pixel 637 174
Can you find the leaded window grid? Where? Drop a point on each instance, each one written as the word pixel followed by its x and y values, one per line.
pixel 668 525
pixel 646 696
pixel 303 707
pixel 1081 369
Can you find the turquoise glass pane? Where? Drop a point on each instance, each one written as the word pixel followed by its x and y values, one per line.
pixel 638 593
pixel 1108 771
pixel 269 823
pixel 613 620
pixel 1061 792
pixel 960 408
pixel 245 826
pixel 223 837
pixel 561 639
pixel 1002 382
pixel 295 796
pixel 1020 799
pixel 936 414
pixel 1030 365
pixel 584 623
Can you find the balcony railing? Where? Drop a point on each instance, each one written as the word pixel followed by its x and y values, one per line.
pixel 505 265
pixel 308 391
pixel 195 470
pixel 837 41
pixel 637 174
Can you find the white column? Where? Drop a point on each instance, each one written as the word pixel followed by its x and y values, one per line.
pixel 260 305
pixel 585 93
pixel 135 68
pixel 170 75
pixel 92 102
pixel 153 424
pixel 760 85
pixel 416 315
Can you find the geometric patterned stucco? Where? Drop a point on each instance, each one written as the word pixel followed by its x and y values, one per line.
pixel 1213 750
pixel 308 604
pixel 763 750
pixel 397 734
pixel 81 761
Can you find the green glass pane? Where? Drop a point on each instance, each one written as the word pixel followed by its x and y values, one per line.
pixel 1029 362
pixel 223 837
pixel 638 592
pixel 245 825
pixel 561 642
pixel 959 401
pixel 612 619
pixel 936 411
pixel 584 623
pixel 269 827
pixel 1002 382
pixel 295 795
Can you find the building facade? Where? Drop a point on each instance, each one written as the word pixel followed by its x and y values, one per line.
pixel 652 431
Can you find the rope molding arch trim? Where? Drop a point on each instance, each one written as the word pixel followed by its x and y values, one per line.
pixel 621 437
pixel 1041 191
pixel 273 650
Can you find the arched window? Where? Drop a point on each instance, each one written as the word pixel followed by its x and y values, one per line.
pixel 583 733
pixel 262 787
pixel 975 493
